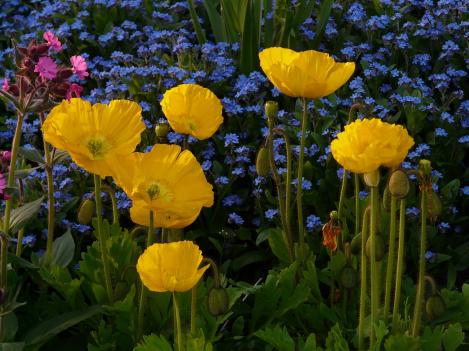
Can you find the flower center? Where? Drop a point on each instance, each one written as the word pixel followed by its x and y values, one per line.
pixel 159 191
pixel 98 147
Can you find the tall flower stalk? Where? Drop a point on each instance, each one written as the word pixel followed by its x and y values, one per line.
pixel 425 188
pixel 400 266
pixel 363 280
pixel 143 291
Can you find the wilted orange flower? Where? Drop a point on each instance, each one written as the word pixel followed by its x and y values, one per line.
pixel 330 231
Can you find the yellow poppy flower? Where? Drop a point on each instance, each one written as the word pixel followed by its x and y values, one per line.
pixel 166 180
pixel 171 266
pixel 140 214
pixel 192 109
pixel 367 144
pixel 93 134
pixel 308 74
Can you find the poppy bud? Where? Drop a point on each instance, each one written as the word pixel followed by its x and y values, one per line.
pixel 162 130
pixel 271 109
pixel 398 184
pixel 356 244
pixel 86 212
pixel 217 301
pixel 379 248
pixel 372 178
pixel 435 307
pixel 348 277
pixel 263 162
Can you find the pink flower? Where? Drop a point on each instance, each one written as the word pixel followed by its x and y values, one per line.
pixel 79 66
pixel 3 185
pixel 5 85
pixel 74 89
pixel 46 67
pixel 53 41
pixel 5 156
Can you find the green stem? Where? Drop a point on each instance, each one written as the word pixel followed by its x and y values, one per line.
pixel 400 266
pixel 340 210
pixel 391 256
pixel 421 277
pixel 195 23
pixel 278 183
pixel 143 291
pixel 177 316
pixel 115 211
pixel 363 283
pixel 299 192
pixel 193 309
pixel 8 208
pixel 373 263
pixel 50 196
pixel 216 274
pixel 357 202
pixel 287 189
pixel 102 239
pixel 19 243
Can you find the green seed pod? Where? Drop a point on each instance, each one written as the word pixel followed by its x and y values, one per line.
pixel 356 244
pixel 263 162
pixel 379 251
pixel 398 184
pixel 217 301
pixel 86 212
pixel 348 277
pixel 425 167
pixel 174 234
pixel 308 170
pixel 162 130
pixel 271 109
pixel 434 206
pixel 435 307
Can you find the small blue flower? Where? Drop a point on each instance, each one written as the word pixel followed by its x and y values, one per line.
pixel 271 213
pixel 234 218
pixel 313 222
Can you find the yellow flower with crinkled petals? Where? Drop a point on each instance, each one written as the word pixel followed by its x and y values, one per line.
pixel 367 144
pixel 171 266
pixel 93 134
pixel 166 180
pixel 192 109
pixel 140 214
pixel 308 74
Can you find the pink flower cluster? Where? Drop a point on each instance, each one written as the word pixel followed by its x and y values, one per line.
pixel 40 79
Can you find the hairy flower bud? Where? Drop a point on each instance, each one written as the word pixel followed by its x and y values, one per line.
pixel 435 307
pixel 271 109
pixel 425 167
pixel 398 184
pixel 372 178
pixel 162 130
pixel 263 162
pixel 217 301
pixel 308 170
pixel 348 277
pixel 356 244
pixel 434 206
pixel 86 212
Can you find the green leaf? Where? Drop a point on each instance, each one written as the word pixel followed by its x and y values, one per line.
pixel 251 37
pixel 453 337
pixel 335 340
pixel 321 21
pixel 19 216
pixel 153 343
pixel 12 346
pixel 277 337
pixel 432 338
pixel 402 342
pixel 197 342
pixel 278 244
pixel 215 20
pixel 54 326
pixel 195 22
pixel 451 190
pixel 31 155
pixel 63 249
pixel 310 344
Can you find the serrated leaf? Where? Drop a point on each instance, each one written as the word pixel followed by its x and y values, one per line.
pixel 453 337
pixel 402 342
pixel 54 326
pixel 19 216
pixel 278 244
pixel 152 343
pixel 12 346
pixel 277 337
pixel 335 340
pixel 63 249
